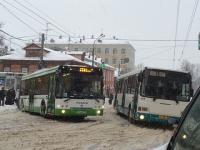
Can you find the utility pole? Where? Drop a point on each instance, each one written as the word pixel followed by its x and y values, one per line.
pixel 42 51
pixel 47 29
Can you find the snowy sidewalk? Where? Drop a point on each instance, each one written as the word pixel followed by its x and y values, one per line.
pixel 8 108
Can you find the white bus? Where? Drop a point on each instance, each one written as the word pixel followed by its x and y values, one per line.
pixel 153 95
pixel 68 90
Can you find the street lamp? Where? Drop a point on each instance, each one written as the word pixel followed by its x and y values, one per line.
pixel 100 36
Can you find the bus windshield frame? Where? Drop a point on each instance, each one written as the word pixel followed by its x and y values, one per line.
pixel 168 85
pixel 79 83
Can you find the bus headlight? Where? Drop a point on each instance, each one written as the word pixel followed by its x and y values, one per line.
pixel 63 111
pixel 141 117
pixel 98 112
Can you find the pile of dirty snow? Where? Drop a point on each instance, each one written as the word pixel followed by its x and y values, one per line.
pixel 8 108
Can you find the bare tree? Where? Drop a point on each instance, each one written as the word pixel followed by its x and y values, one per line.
pixel 139 67
pixel 194 70
pixel 3 47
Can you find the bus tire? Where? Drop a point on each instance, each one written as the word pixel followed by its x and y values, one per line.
pixel 43 109
pixel 129 115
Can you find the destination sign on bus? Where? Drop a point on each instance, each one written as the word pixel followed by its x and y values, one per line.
pixel 86 70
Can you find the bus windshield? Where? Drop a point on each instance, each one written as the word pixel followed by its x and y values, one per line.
pixel 79 85
pixel 167 85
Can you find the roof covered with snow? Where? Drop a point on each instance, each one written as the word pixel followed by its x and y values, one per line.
pixel 50 56
pixel 98 61
pixel 74 52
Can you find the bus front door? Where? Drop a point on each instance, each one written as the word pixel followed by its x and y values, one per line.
pixel 51 95
pixel 31 96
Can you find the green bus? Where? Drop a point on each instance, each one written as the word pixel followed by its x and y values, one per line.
pixel 68 91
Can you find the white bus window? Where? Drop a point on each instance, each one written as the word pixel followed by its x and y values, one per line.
pixel 188 137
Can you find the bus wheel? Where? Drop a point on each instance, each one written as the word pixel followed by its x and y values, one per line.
pixel 129 115
pixel 43 108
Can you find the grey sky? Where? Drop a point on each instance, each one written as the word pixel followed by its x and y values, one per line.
pixel 130 19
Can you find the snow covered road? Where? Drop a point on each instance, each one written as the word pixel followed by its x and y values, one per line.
pixel 23 131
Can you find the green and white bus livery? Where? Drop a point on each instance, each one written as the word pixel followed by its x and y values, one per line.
pixel 70 90
pixel 153 95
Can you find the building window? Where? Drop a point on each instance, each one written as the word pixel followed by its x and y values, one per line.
pixel 76 49
pixel 114 51
pixel 106 60
pixel 114 61
pixel 123 51
pixel 122 61
pixel 24 70
pixel 6 69
pixel 107 51
pixel 99 50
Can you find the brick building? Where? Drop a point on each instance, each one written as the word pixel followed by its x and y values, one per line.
pixel 28 60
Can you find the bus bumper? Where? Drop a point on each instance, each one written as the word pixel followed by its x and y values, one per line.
pixel 152 118
pixel 78 112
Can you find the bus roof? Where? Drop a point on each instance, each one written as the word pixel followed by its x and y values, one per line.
pixel 166 69
pixel 40 73
pixel 148 68
pixel 46 71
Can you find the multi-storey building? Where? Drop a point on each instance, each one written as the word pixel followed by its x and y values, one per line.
pixel 117 53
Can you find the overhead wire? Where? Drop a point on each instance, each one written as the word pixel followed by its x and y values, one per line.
pixel 18 18
pixel 12 42
pixel 61 30
pixel 177 18
pixel 24 12
pixel 189 27
pixel 12 36
pixel 33 6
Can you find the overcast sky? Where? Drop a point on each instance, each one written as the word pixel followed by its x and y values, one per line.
pixel 125 19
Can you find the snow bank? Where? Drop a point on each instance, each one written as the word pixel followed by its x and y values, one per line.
pixel 8 108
